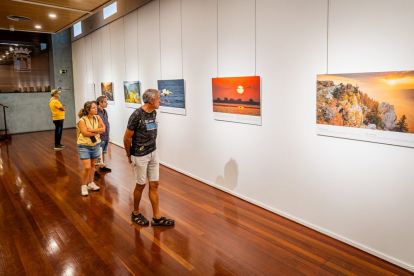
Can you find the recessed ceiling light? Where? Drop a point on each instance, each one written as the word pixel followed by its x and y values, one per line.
pixel 52 15
pixel 7 53
pixel 38 27
pixel 4 56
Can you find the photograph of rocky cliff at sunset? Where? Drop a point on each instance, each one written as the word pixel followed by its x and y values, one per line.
pixel 378 101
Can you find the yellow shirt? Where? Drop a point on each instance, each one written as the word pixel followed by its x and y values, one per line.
pixel 57 114
pixel 92 124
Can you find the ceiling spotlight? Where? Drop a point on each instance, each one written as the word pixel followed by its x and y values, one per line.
pixel 7 53
pixel 4 56
pixel 38 27
pixel 52 15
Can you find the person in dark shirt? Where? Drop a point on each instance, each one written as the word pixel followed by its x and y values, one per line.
pixel 102 104
pixel 141 149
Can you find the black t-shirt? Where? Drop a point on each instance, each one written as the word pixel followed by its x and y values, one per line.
pixel 145 127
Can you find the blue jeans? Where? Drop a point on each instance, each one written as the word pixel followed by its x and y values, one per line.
pixel 58 131
pixel 87 152
pixel 104 146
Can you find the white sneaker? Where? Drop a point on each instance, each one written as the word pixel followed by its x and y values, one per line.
pixel 84 190
pixel 92 186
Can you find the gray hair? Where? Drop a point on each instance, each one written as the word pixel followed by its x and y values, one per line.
pixel 149 94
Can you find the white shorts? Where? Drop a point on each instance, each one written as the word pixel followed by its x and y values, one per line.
pixel 144 166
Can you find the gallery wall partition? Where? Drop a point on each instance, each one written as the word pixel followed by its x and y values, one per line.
pixel 357 192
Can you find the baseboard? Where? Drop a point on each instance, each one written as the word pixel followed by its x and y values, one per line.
pixel 285 215
pixel 116 144
pixel 302 222
pixel 41 130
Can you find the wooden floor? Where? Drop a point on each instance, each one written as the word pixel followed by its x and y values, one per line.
pixel 48 228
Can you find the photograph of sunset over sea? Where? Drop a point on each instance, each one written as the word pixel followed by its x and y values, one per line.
pixel 238 95
pixel 377 101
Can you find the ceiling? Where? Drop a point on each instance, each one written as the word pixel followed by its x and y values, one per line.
pixel 67 12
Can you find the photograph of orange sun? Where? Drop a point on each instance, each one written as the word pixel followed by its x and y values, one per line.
pixel 237 95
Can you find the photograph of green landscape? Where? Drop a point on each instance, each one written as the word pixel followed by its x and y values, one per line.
pixel 132 94
pixel 374 101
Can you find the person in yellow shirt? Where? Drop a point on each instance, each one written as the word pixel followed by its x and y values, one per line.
pixel 90 127
pixel 58 115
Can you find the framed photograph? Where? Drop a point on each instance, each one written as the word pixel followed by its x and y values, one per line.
pixel 374 107
pixel 172 94
pixel 237 99
pixel 107 90
pixel 132 94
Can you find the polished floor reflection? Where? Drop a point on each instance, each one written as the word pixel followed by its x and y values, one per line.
pixel 48 228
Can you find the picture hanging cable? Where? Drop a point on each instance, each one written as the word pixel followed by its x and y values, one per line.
pixel 86 60
pixel 93 68
pixel 125 68
pixel 110 47
pixel 327 36
pixel 182 55
pixel 255 37
pixel 217 38
pixel 159 31
pixel 102 60
pixel 138 45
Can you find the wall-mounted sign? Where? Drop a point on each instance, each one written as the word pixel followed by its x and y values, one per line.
pixel 64 88
pixel 63 71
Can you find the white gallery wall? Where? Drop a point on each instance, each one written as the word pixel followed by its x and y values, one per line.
pixel 358 192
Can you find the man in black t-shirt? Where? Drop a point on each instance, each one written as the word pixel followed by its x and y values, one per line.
pixel 140 146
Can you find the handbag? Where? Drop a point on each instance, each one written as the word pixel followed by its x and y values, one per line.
pixel 99 162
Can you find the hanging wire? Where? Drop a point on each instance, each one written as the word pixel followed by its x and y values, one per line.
pixel 125 60
pixel 86 60
pixel 327 36
pixel 255 37
pixel 93 69
pixel 138 46
pixel 182 53
pixel 217 38
pixel 102 60
pixel 159 27
pixel 110 49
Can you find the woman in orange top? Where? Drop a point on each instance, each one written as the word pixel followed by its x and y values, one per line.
pixel 90 126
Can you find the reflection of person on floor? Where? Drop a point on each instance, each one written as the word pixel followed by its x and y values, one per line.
pixel 140 146
pixel 62 178
pixel 154 261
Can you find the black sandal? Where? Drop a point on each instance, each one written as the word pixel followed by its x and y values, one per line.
pixel 163 221
pixel 139 219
